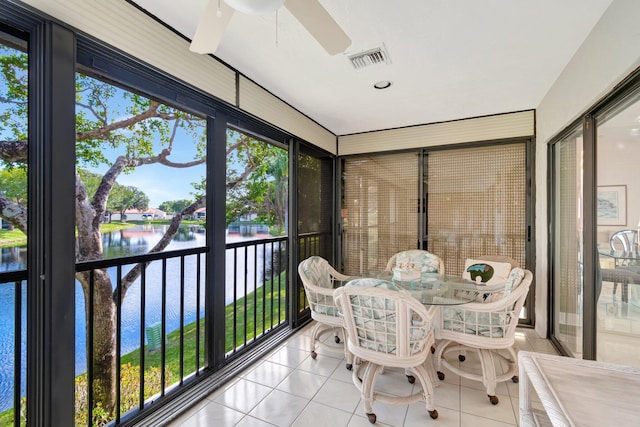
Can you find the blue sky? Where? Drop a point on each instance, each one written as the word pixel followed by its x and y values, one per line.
pixel 161 183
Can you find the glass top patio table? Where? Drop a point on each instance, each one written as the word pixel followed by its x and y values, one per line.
pixel 434 288
pixel 620 255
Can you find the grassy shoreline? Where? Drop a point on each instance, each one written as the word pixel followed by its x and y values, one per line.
pixel 11 238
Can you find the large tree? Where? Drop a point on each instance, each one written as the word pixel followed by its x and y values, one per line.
pixel 123 198
pixel 174 206
pixel 141 132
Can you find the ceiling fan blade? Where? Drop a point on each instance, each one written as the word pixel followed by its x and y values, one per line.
pixel 211 27
pixel 320 24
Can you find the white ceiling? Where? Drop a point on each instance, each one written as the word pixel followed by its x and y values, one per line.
pixel 450 59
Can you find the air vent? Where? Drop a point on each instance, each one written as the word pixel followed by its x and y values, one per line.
pixel 370 57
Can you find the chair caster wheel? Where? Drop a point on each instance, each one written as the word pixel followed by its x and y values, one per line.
pixel 314 354
pixel 433 350
pixel 336 339
pixel 349 366
pixel 433 414
pixel 372 418
pixel 515 379
pixel 494 400
pixel 461 357
pixel 441 376
pixel 411 379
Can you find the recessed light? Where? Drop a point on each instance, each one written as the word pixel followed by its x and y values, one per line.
pixel 384 84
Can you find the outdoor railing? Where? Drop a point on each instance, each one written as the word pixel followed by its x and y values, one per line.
pixel 13 288
pixel 165 305
pixel 256 272
pixel 159 322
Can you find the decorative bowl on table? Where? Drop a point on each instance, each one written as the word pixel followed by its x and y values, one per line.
pixel 406 275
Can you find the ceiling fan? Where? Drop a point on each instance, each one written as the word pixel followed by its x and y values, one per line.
pixel 310 13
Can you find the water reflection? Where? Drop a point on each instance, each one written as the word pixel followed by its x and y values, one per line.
pixel 14 258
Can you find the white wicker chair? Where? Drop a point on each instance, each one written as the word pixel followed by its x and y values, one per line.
pixel 386 328
pixel 486 328
pixel 416 259
pixel 319 280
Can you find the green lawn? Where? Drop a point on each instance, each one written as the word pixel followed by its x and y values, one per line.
pixel 12 238
pixel 18 238
pixel 130 378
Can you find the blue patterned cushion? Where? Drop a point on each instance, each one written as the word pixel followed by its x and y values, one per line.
pixel 515 278
pixel 418 260
pixel 315 268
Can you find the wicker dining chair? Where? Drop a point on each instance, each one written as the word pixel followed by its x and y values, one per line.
pixel 387 327
pixel 487 329
pixel 319 280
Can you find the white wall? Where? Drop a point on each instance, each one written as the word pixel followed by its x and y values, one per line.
pixel 609 54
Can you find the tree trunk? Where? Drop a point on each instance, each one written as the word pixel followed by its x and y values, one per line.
pixel 104 338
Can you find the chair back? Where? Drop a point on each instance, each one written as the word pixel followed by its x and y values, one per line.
pixel 624 240
pixel 316 275
pixel 488 324
pixel 385 325
pixel 416 260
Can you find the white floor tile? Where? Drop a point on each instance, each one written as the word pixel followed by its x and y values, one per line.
pixel 279 408
pixel 362 421
pixel 447 396
pixel 243 396
pixel 477 403
pixel 213 414
pixel 393 415
pixel 475 421
pixel 302 383
pixel 322 365
pixel 289 388
pixel 417 416
pixel 338 394
pixel 269 374
pixel 342 373
pixel 289 356
pixel 318 415
pixel 249 421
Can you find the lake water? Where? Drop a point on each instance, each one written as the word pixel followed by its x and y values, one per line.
pixel 117 244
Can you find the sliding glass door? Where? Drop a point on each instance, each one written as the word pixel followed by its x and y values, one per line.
pixel 618 222
pixel 595 220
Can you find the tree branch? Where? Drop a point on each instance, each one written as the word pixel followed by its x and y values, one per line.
pixel 93 111
pixel 13 213
pixel 14 151
pixel 135 272
pixel 12 101
pixel 89 245
pixel 101 132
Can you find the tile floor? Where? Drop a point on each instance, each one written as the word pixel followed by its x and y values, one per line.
pixel 289 388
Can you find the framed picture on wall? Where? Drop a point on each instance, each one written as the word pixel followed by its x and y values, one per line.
pixel 612 205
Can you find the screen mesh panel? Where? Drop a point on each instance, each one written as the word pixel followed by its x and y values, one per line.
pixel 476 203
pixel 379 210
